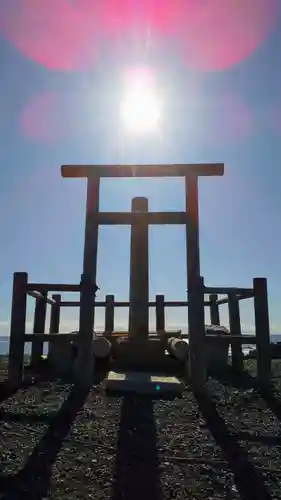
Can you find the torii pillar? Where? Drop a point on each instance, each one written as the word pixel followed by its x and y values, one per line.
pixel 139 271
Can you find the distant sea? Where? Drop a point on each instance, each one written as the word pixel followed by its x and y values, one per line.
pixel 4 345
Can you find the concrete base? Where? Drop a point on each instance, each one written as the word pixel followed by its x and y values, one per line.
pixel 142 383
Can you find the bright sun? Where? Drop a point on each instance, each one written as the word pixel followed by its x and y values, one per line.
pixel 140 108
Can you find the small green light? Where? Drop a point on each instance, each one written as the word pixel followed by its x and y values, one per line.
pixel 158 387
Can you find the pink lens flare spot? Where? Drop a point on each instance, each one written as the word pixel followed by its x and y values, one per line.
pixel 43 118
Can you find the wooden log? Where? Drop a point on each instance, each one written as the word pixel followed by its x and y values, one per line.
pixel 178 348
pixel 160 313
pixel 109 313
pixel 262 330
pixel 39 327
pixel 101 347
pixel 17 329
pixel 214 309
pixel 54 321
pixel 235 329
pixel 37 295
pixel 176 170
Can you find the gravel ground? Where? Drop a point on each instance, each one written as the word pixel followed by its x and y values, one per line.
pixel 58 443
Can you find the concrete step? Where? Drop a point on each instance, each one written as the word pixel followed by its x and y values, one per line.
pixel 142 383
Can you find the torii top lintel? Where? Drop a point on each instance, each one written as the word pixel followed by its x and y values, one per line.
pixel 176 170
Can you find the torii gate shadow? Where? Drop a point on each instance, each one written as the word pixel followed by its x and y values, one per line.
pixel 137 475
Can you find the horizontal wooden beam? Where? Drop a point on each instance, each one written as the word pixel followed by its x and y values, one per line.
pixel 127 218
pixel 50 337
pixel 225 290
pixel 176 170
pixel 169 303
pixel 52 287
pixel 37 295
pixel 76 303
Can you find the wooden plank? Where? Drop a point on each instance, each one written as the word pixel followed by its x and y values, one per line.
pixel 142 383
pixel 17 331
pixel 175 170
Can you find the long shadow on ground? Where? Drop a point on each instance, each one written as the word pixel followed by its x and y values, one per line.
pixel 32 482
pixel 136 468
pixel 246 381
pixel 7 390
pixel 248 480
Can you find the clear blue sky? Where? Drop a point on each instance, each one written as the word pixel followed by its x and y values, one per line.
pixel 50 117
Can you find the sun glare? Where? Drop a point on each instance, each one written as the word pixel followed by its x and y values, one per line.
pixel 140 108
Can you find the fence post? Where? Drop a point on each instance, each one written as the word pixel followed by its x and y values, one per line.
pixel 17 329
pixel 109 313
pixel 196 333
pixel 262 330
pixel 160 313
pixel 214 309
pixel 84 363
pixel 39 327
pixel 54 320
pixel 55 314
pixel 235 329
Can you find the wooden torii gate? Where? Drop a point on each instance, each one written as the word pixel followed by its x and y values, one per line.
pixel 94 218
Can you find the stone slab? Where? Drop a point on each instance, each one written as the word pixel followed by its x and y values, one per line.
pixel 142 383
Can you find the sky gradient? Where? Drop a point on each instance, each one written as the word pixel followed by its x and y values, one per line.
pixel 59 107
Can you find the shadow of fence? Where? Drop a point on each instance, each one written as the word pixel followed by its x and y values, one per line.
pixel 248 479
pixel 34 479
